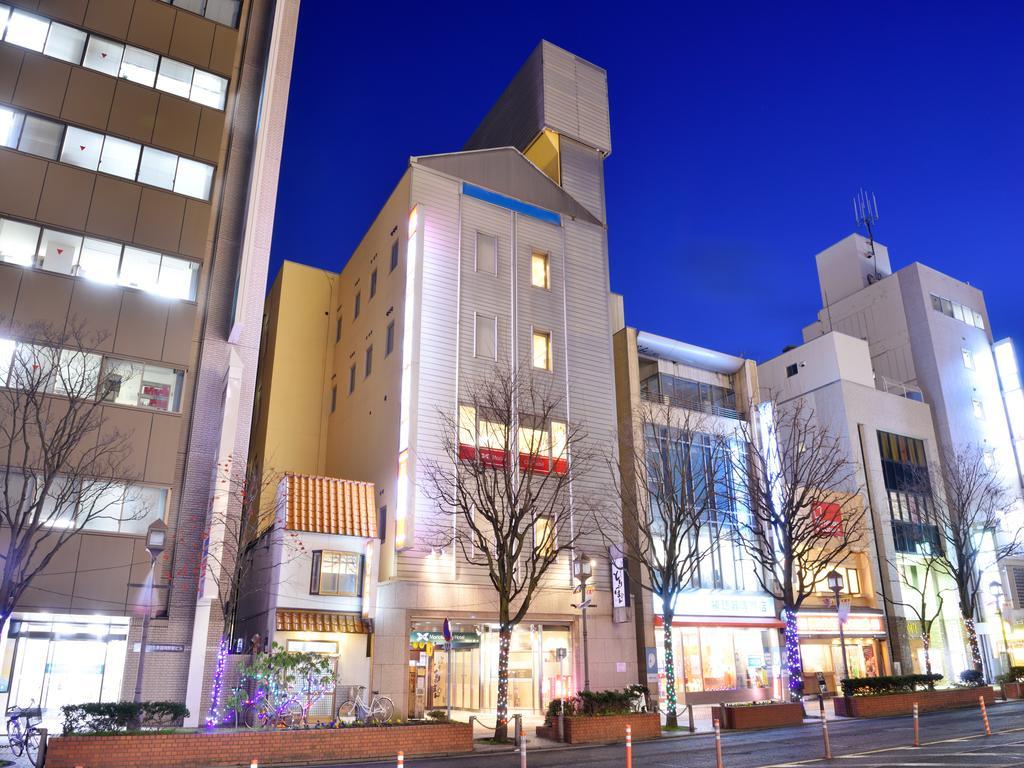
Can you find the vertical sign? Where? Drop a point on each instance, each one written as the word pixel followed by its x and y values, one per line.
pixel 620 584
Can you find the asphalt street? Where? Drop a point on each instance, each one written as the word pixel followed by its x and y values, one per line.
pixel 948 739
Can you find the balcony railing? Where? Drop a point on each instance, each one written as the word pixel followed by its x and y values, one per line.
pixel 691 404
pixel 916 538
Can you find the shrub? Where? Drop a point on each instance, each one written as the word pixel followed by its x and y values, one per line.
pixel 972 678
pixel 596 703
pixel 886 684
pixel 1015 675
pixel 110 716
pixel 440 715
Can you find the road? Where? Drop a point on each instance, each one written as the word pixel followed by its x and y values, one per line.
pixel 948 739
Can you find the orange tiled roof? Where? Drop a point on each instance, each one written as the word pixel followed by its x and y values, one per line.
pixel 330 505
pixel 322 621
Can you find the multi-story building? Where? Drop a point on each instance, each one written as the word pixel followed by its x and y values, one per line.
pixel 489 259
pixel 726 628
pixel 139 151
pixel 930 332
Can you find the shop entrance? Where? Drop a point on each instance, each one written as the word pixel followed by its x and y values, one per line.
pixel 826 656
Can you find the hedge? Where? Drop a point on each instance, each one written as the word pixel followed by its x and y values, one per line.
pixel 112 716
pixel 886 684
pixel 1015 675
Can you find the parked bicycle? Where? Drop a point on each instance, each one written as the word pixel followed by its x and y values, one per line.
pixel 380 709
pixel 265 711
pixel 24 739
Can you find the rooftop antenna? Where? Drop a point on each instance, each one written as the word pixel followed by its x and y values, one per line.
pixel 865 214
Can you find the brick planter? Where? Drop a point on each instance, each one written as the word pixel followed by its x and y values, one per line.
pixel 759 716
pixel 903 703
pixel 1013 690
pixel 198 749
pixel 607 729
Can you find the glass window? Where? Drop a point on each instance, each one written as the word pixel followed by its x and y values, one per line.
pixel 369 361
pixel 27 30
pixel 193 178
pixel 82 148
pixel 7 349
pixel 77 373
pixel 209 89
pixel 178 278
pixel 140 269
pixel 138 384
pixel 157 168
pixel 542 350
pixel 65 43
pixel 486 337
pixel 142 506
pixel 339 573
pixel 58 251
pixel 540 276
pixel 5 12
pixel 351 379
pixel 139 66
pixel 223 11
pixel 100 260
pixel 373 283
pixel 356 306
pixel 101 506
pixel 968 358
pixel 122 380
pixel 544 536
pixel 18 242
pixel 120 157
pixel 10 127
pixel 175 77
pixel 394 255
pixel 979 321
pixel 41 137
pixel 103 55
pixel 486 253
pixel 196 6
pixel 389 344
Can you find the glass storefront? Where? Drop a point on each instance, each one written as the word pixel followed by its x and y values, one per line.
pixel 53 660
pixel 863 656
pixel 537 670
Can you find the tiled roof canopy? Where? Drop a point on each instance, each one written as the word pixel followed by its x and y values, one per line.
pixel 330 505
pixel 322 621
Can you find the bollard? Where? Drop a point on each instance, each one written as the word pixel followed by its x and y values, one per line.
pixel 718 745
pixel 629 746
pixel 522 752
pixel 255 763
pixel 824 734
pixel 689 711
pixel 917 728
pixel 401 759
pixel 984 715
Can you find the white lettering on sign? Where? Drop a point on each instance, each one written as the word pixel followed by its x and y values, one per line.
pixel 620 581
pixel 855 624
pixel 713 602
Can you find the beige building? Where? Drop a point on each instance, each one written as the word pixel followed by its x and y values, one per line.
pixel 139 149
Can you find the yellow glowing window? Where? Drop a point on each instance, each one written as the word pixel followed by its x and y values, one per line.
pixel 541 273
pixel 542 350
pixel 534 442
pixel 467 425
pixel 544 536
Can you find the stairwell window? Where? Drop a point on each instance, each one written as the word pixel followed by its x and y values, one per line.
pixel 357 305
pixel 968 359
pixel 540 274
pixel 486 253
pixel 373 283
pixel 485 342
pixel 369 362
pixel 389 343
pixel 542 350
pixel 394 256
pixel 352 379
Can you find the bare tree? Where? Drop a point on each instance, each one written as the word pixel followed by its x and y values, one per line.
pixel 804 512
pixel 62 468
pixel 504 491
pixel 673 480
pixel 925 588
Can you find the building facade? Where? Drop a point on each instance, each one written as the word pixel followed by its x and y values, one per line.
pixel 139 149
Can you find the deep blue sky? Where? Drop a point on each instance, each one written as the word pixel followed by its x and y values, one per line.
pixel 740 132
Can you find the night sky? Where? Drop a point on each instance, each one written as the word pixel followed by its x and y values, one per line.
pixel 740 133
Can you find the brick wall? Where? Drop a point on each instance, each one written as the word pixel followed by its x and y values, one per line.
pixel 230 748
pixel 903 703
pixel 759 716
pixel 606 729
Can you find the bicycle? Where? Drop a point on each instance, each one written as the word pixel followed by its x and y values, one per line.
pixel 379 710
pixel 24 740
pixel 263 712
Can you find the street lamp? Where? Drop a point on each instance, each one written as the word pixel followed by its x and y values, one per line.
pixel 834 579
pixel 583 569
pixel 156 542
pixel 996 589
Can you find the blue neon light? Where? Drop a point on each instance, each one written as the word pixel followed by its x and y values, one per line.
pixel 511 203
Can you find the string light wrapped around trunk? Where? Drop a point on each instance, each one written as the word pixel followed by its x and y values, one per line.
pixel 794 665
pixel 215 716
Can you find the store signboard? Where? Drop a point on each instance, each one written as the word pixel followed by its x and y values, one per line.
pixel 459 639
pixel 620 579
pixel 828 624
pixel 714 602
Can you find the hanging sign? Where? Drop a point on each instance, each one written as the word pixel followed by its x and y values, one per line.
pixel 446 630
pixel 844 609
pixel 620 578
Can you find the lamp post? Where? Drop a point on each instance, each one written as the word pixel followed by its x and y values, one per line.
pixel 834 579
pixel 996 589
pixel 583 569
pixel 156 542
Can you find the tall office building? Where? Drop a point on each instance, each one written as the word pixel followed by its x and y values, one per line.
pixel 139 151
pixel 930 332
pixel 492 258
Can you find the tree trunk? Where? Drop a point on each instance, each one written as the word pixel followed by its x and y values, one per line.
pixel 926 642
pixel 794 664
pixel 972 642
pixel 214 716
pixel 504 642
pixel 671 716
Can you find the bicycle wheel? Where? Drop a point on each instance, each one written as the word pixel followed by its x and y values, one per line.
pixel 383 709
pixel 14 737
pixel 291 717
pixel 347 710
pixel 250 716
pixel 32 739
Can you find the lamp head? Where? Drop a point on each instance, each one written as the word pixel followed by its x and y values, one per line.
pixel 834 579
pixel 996 589
pixel 156 538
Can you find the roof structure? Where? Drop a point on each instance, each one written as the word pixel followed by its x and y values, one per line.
pixel 329 505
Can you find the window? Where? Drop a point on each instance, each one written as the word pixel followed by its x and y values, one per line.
pixel 542 350
pixel 65 43
pixel 178 278
pixel 221 11
pixel 140 269
pixel 336 573
pixel 356 305
pixel 58 251
pixel 334 397
pixel 193 178
pixel 957 311
pixel 851 581
pixel 486 253
pixel 486 337
pixel 18 242
pixel 389 343
pixel 103 55
pixel 544 541
pixel 141 384
pixel 82 148
pixel 337 327
pixel 369 361
pixel 139 66
pixel 27 31
pixel 540 275
pixel 175 77
pixel 120 157
pixel 352 379
pixel 968 358
pixel 99 261
pixel 908 486
pixel 209 89
pixel 41 137
pixel 373 283
pixel 792 370
pixel 10 127
pixel 979 409
pixel 394 256
pixel 157 168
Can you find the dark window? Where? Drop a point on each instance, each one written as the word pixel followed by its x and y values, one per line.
pixel 394 256
pixel 373 283
pixel 369 361
pixel 334 397
pixel 792 370
pixel 355 312
pixel 337 329
pixel 389 343
pixel 908 488
pixel 382 522
pixel 352 379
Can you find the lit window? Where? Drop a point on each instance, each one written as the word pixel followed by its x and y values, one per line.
pixel 178 278
pixel 140 269
pixel 143 505
pixel 10 127
pixel 65 43
pixel 82 148
pixel 175 78
pixel 486 339
pixel 120 157
pixel 58 251
pixel 544 541
pixel 968 358
pixel 139 66
pixel 103 55
pixel 336 573
pixel 541 275
pixel 99 261
pixel 157 168
pixel 486 253
pixel 77 373
pixel 209 89
pixel 5 12
pixel 979 409
pixel 138 384
pixel 27 31
pixel 41 137
pixel 193 178
pixel 389 344
pixel 542 350
pixel 18 242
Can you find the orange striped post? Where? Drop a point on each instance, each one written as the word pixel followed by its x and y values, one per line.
pixel 917 728
pixel 718 745
pixel 984 715
pixel 629 746
pixel 254 764
pixel 401 759
pixel 824 734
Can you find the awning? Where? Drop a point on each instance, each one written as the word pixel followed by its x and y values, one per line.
pixel 323 621
pixel 759 622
